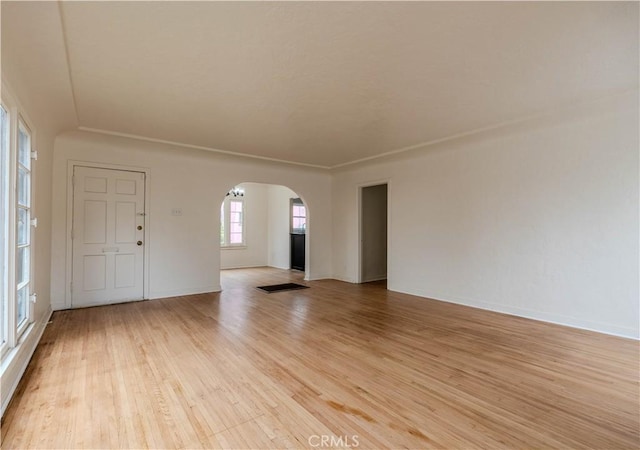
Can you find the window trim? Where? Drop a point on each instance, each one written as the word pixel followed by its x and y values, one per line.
pixel 5 231
pixel 11 201
pixel 225 215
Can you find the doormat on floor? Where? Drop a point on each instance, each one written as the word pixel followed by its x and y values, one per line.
pixel 281 287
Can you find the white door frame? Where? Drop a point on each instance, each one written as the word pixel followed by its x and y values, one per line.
pixel 360 187
pixel 71 164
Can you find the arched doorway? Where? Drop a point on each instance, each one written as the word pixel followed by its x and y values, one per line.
pixel 263 225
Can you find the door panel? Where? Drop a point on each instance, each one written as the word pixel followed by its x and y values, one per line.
pixel 94 271
pixel 108 263
pixel 95 184
pixel 95 222
pixel 125 271
pixel 125 187
pixel 125 222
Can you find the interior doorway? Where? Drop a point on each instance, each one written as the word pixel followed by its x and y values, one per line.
pixel 373 233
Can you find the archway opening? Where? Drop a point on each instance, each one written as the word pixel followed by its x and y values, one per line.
pixel 264 225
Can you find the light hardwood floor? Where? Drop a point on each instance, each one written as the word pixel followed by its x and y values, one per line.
pixel 246 369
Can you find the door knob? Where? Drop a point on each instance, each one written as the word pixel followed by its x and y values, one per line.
pixel 139 227
pixel 139 242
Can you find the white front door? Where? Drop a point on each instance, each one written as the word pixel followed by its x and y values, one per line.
pixel 108 236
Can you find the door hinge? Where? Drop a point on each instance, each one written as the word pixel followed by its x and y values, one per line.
pixel 34 222
pixel 33 297
pixel 34 155
pixel 71 286
pixel 72 234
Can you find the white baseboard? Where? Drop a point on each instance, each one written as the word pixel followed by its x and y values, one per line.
pixel 316 277
pixel 380 278
pixel 345 279
pixel 58 306
pixel 249 266
pixel 154 295
pixel 16 362
pixel 542 316
pixel 180 292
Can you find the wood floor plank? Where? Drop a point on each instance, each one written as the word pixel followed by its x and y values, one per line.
pixel 246 369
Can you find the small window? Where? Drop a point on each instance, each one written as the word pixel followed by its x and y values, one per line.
pixel 232 219
pixel 236 222
pixel 298 216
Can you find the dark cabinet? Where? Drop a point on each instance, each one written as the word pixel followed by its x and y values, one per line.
pixel 297 251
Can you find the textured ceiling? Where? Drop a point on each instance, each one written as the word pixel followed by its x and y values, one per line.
pixel 328 83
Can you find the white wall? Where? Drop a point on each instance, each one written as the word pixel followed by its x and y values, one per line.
pixel 254 253
pixel 538 220
pixel 279 226
pixel 184 250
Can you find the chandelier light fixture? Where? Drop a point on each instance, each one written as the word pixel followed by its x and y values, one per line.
pixel 236 192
